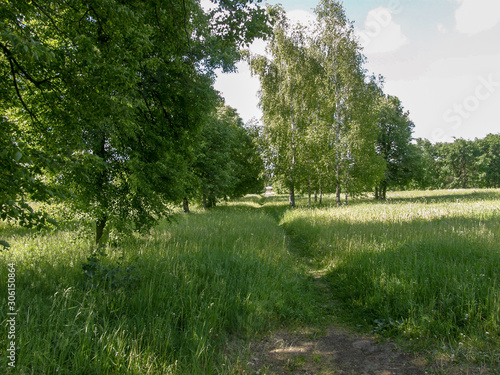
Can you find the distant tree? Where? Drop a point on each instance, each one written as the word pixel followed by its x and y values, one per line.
pixel 248 161
pixel 394 145
pixel 226 161
pixel 488 163
pixel 461 162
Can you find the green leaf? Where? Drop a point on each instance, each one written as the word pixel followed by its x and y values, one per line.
pixel 18 156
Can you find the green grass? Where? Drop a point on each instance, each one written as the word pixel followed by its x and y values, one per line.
pixel 161 304
pixel 423 267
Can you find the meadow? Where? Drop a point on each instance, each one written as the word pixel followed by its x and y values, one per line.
pixel 422 268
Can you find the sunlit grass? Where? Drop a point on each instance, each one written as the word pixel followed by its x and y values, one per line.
pixel 423 266
pixel 160 304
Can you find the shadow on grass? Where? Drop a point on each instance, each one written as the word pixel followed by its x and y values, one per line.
pixel 418 278
pixel 8 231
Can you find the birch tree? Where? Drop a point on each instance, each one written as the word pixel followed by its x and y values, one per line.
pixel 346 103
pixel 282 86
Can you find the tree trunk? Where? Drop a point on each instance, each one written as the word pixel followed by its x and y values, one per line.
pixel 384 192
pixel 376 193
pixel 337 194
pixel 309 191
pixel 212 201
pixel 185 205
pixel 315 196
pixel 99 229
pixel 464 174
pixel 291 198
pixel 320 193
pixel 101 183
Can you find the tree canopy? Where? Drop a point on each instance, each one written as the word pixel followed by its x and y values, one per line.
pixel 110 94
pixel 318 104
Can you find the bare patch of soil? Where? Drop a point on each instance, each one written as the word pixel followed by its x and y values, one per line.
pixel 335 351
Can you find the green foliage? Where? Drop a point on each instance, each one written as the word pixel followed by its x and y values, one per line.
pixel 488 161
pixel 459 164
pixel 115 92
pixel 394 145
pixel 19 181
pixel 226 162
pixel 318 105
pixel 282 99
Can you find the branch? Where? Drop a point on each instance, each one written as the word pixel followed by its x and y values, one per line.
pixel 12 60
pixel 48 16
pixel 13 71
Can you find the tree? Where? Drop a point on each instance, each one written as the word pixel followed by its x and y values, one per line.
pixel 282 86
pixel 116 91
pixel 317 104
pixel 489 161
pixel 460 159
pixel 394 145
pixel 226 162
pixel 345 103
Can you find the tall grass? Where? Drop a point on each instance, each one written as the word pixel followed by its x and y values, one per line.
pixel 425 266
pixel 162 304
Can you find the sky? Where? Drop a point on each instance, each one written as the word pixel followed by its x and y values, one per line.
pixel 441 58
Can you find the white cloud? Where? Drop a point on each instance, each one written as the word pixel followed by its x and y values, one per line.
pixel 475 16
pixel 381 34
pixel 452 98
pixel 301 16
pixel 442 28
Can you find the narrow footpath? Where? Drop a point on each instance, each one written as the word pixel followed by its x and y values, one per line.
pixel 325 348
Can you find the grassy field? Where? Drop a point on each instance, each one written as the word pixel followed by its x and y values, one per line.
pixel 423 267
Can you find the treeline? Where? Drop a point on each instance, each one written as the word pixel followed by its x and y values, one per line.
pixel 328 127
pixel 110 106
pixel 460 164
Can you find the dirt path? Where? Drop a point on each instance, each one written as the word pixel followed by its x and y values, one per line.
pixel 332 350
pixel 335 351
